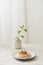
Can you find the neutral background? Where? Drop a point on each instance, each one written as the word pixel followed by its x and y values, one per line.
pixel 32 15
pixel 35 20
pixel 16 12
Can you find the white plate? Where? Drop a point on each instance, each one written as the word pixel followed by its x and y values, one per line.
pixel 32 56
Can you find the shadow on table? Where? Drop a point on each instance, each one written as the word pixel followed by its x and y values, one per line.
pixel 29 60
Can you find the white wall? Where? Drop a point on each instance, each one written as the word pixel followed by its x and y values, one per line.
pixel 12 15
pixel 8 22
pixel 35 20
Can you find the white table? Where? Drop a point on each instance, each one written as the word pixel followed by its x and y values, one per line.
pixel 7 59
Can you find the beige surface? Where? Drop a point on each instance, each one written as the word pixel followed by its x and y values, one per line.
pixel 7 59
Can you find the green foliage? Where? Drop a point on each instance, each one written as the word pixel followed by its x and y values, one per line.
pixel 22 29
pixel 22 36
pixel 22 26
pixel 25 30
pixel 19 31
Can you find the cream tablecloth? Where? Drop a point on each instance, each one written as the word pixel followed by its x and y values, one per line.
pixel 6 57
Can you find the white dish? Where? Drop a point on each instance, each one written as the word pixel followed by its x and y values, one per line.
pixel 32 56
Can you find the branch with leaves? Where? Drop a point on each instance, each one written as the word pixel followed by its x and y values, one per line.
pixel 22 29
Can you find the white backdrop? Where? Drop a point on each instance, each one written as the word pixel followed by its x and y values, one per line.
pixel 16 12
pixel 8 20
pixel 12 14
pixel 35 20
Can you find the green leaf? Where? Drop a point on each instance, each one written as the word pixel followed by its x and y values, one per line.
pixel 22 36
pixel 25 30
pixel 21 27
pixel 19 31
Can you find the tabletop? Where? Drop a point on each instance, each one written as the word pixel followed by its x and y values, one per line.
pixel 6 57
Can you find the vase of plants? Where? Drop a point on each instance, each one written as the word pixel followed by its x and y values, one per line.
pixel 18 41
